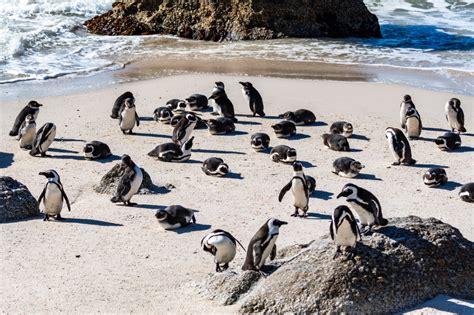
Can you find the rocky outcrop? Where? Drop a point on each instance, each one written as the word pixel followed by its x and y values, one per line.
pixel 16 201
pixel 238 19
pixel 400 265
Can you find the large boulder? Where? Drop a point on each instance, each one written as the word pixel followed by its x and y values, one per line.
pixel 16 201
pixel 238 19
pixel 400 265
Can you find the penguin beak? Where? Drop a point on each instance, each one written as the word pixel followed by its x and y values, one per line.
pixel 283 222
pixel 241 83
pixel 211 97
pixel 341 194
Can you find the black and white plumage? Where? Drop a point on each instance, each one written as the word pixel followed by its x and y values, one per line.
pixel 413 125
pixel 197 102
pixel 335 142
pixel 310 184
pixel 32 108
pixel 129 183
pixel 299 117
pixel 466 193
pixel 283 153
pixel 200 123
pixel 215 167
pixel 119 104
pixel 263 245
pixel 96 150
pixel 220 126
pixel 344 230
pixel 299 189
pixel 254 98
pixel 455 115
pixel 435 177
pixel 176 105
pixel 347 167
pixel 260 141
pixel 223 104
pixel 43 139
pixel 405 105
pixel 342 128
pixel 448 141
pixel 217 86
pixel 172 152
pixel 183 130
pixel 128 117
pixel 399 146
pixel 284 129
pixel 163 114
pixel 27 133
pixel 53 195
pixel 223 246
pixel 365 204
pixel 174 217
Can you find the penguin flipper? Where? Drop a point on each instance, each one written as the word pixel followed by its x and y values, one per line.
pixel 66 199
pixel 274 252
pixel 283 191
pixel 42 194
pixel 460 117
pixel 137 119
pixel 258 254
pixel 331 231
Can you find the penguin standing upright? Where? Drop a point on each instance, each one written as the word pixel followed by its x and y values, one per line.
pixel 43 139
pixel 254 98
pixel 299 188
pixel 53 195
pixel 223 104
pixel 405 105
pixel 455 115
pixel 223 246
pixel 32 108
pixel 399 146
pixel 129 183
pixel 128 117
pixel 119 104
pixel 344 230
pixel 263 245
pixel 413 124
pixel 365 204
pixel 183 130
pixel 27 133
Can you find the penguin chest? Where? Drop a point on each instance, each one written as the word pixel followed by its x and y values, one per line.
pixel 225 250
pixel 345 236
pixel 452 119
pixel 27 136
pixel 299 194
pixel 53 200
pixel 135 185
pixel 128 119
pixel 246 95
pixel 168 226
pixel 266 251
pixel 44 146
pixel 365 217
pixel 413 127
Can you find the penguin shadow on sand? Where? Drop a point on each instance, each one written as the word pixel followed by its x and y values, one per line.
pixel 321 194
pixel 235 133
pixel 147 206
pixel 151 135
pixel 450 186
pixel 90 222
pixel 6 159
pixel 359 137
pixel 425 166
pixel 146 118
pixel 233 175
pixel 108 159
pixel 257 117
pixel 68 140
pixel 307 164
pixel 462 149
pixel 195 227
pixel 446 130
pixel 319 216
pixel 368 177
pixel 73 155
pixel 355 150
pixel 299 136
pixel 218 151
pixel 315 124
pixel 247 122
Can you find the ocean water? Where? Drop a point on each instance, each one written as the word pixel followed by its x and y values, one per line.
pixel 45 39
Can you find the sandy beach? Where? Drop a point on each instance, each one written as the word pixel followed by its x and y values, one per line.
pixel 110 258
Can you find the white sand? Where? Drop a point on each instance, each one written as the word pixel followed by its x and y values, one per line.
pixel 128 264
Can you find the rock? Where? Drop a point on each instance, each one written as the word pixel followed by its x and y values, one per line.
pixel 108 183
pixel 236 20
pixel 16 201
pixel 398 266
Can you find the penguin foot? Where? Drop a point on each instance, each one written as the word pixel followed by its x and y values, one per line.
pixel 396 163
pixel 294 214
pixel 304 215
pixel 59 218
pixel 225 267
pixel 130 204
pixel 218 268
pixel 337 253
pixel 114 116
pixel 350 256
pixel 46 217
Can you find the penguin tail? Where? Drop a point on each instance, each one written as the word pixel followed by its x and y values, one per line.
pixel 234 119
pixel 261 114
pixel 438 141
pixel 463 129
pixel 13 133
pixel 115 199
pixel 383 222
pixel 33 152
pixel 412 162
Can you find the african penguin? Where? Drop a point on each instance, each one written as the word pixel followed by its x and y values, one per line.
pixel 283 153
pixel 347 167
pixel 129 183
pixel 365 204
pixel 399 146
pixel 284 129
pixel 311 184
pixel 174 217
pixel 183 130
pixel 467 192
pixel 220 126
pixel 96 150
pixel 254 98
pixel 197 102
pixel 435 177
pixel 119 104
pixel 215 167
pixel 27 133
pixel 223 246
pixel 455 115
pixel 405 105
pixel 200 123
pixel 299 188
pixel 260 141
pixel 53 195
pixel 223 104
pixel 299 117
pixel 335 142
pixel 413 124
pixel 342 128
pixel 128 117
pixel 262 245
pixel 163 114
pixel 216 110
pixel 176 105
pixel 32 108
pixel 43 139
pixel 172 152
pixel 344 230
pixel 448 141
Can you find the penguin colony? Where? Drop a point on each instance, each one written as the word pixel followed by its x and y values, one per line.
pixel 348 224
